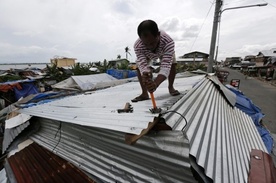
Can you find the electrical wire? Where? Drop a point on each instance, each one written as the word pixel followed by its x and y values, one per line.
pixel 59 130
pixel 269 4
pixel 202 24
pixel 178 114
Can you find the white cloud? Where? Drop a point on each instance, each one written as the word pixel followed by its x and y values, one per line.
pixel 93 30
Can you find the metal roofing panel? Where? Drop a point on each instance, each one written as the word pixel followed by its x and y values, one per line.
pixel 161 157
pixel 89 82
pixel 37 164
pixel 99 108
pixel 3 176
pixel 11 134
pixel 221 136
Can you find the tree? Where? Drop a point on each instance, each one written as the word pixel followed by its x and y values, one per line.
pixel 127 52
pixel 118 56
pixel 103 67
pixel 81 69
pixel 56 73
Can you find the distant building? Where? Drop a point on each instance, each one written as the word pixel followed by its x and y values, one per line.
pixel 250 58
pixel 194 57
pixel 118 62
pixel 63 61
pixel 263 56
pixel 232 60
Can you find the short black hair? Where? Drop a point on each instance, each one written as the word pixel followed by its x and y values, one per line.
pixel 148 26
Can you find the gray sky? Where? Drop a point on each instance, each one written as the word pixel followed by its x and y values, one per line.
pixel 94 30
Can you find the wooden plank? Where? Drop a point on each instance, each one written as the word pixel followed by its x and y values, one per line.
pixel 156 125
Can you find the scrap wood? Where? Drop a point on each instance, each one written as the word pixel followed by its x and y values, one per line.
pixel 12 114
pixel 157 125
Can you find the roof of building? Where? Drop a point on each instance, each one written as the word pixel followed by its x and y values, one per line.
pixel 208 133
pixel 37 164
pixel 99 108
pixel 88 82
pixel 267 53
pixel 219 136
pixel 197 53
pixel 189 59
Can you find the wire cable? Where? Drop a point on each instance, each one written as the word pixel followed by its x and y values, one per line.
pixel 59 130
pixel 202 25
pixel 178 114
pixel 269 4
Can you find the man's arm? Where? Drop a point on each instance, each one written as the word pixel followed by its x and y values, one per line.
pixel 166 63
pixel 167 59
pixel 141 61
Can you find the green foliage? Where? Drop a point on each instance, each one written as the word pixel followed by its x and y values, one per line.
pixel 7 78
pixel 123 66
pixel 56 73
pixel 190 67
pixel 81 69
pixel 103 67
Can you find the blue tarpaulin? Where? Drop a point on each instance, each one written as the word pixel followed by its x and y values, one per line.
pixel 121 74
pixel 28 88
pixel 247 106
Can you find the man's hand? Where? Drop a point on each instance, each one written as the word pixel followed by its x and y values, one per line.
pixel 151 86
pixel 146 77
pixel 148 81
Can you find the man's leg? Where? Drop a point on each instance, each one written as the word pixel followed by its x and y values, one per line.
pixel 171 80
pixel 144 95
pixel 143 87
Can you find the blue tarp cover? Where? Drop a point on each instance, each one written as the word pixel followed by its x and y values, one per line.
pixel 121 74
pixel 28 88
pixel 247 106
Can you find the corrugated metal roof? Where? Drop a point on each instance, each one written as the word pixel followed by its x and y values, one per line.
pixel 37 164
pixel 220 135
pixel 89 82
pixel 157 157
pixel 99 108
pixel 11 134
pixel 3 176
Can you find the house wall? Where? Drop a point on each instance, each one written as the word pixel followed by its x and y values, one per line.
pixel 63 62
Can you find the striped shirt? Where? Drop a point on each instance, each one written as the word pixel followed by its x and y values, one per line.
pixel 164 51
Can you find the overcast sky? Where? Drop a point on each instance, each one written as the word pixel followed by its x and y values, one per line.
pixel 94 30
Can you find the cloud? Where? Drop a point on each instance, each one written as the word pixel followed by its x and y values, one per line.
pixel 171 24
pixel 255 49
pixel 191 32
pixel 123 6
pixel 96 30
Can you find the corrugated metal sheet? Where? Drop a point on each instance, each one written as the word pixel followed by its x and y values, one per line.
pixel 11 134
pixel 3 176
pixel 161 157
pixel 220 135
pixel 99 108
pixel 37 164
pixel 89 82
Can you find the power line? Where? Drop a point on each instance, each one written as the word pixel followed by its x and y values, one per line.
pixel 202 24
pixel 269 3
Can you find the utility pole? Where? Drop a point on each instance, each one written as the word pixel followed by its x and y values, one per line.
pixel 214 36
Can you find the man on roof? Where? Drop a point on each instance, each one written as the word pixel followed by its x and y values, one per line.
pixel 151 45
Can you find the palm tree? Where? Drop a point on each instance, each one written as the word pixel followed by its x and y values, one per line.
pixel 127 51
